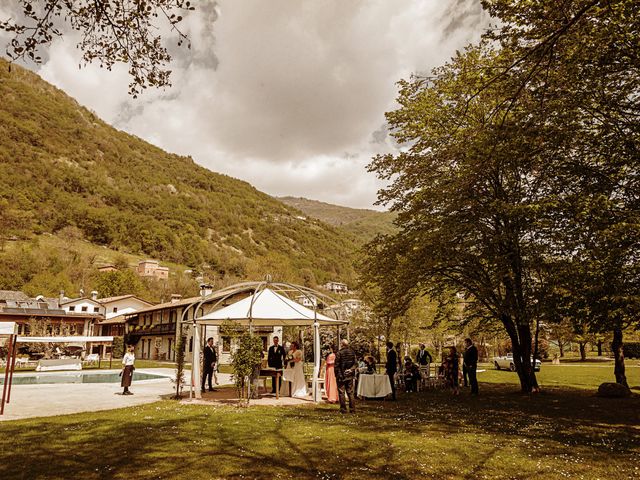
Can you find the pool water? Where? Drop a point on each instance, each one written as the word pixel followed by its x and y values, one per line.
pixel 80 377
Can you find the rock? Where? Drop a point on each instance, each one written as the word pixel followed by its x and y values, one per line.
pixel 613 390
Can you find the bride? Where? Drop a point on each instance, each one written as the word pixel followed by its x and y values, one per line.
pixel 295 374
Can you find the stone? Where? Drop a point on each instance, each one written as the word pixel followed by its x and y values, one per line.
pixel 613 390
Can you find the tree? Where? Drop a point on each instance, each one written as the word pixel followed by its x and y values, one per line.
pixel 120 31
pixel 585 52
pixel 467 190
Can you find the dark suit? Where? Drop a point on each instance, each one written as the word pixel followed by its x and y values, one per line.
pixel 392 368
pixel 210 358
pixel 423 357
pixel 275 359
pixel 470 365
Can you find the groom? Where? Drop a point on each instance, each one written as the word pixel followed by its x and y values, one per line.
pixel 275 359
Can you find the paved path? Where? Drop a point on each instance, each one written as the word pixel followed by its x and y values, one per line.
pixel 28 401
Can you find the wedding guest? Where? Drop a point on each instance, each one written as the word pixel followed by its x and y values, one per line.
pixel 470 365
pixel 127 370
pixel 275 359
pixel 208 364
pixel 370 365
pixel 345 368
pixel 423 357
pixel 392 367
pixel 452 369
pixel 330 382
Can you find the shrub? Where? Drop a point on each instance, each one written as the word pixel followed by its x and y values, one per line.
pixel 632 349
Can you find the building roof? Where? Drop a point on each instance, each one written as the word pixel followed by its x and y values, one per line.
pixel 12 295
pixel 162 306
pixel 81 299
pixel 115 320
pixel 122 297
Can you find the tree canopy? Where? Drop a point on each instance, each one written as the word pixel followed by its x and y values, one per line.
pixel 111 31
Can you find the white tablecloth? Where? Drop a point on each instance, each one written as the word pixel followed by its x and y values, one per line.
pixel 59 364
pixel 374 386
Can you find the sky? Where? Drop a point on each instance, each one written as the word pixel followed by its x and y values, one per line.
pixel 287 95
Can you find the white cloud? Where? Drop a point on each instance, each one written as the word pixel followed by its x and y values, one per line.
pixel 276 92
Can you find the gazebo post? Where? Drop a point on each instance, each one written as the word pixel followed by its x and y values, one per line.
pixel 13 366
pixel 316 357
pixel 6 373
pixel 195 368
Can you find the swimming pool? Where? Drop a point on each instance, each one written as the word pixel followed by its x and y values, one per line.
pixel 77 377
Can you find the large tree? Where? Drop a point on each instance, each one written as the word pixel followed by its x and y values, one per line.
pixel 468 188
pixel 111 31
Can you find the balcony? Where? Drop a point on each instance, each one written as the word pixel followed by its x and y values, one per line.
pixel 158 329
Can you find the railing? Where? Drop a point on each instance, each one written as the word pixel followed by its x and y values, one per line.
pixel 158 329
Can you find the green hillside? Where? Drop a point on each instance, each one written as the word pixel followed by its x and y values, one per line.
pixel 361 223
pixel 63 168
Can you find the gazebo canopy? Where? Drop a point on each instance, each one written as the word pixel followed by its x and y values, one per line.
pixel 267 308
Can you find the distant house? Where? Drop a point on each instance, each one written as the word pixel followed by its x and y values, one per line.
pixel 307 301
pixel 151 268
pixel 108 268
pixel 336 287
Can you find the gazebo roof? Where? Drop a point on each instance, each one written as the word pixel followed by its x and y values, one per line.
pixel 267 307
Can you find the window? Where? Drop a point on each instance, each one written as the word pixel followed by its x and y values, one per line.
pixel 115 309
pixel 72 308
pixel 226 344
pixel 96 309
pixel 84 309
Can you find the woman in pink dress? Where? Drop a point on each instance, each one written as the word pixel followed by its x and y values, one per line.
pixel 330 384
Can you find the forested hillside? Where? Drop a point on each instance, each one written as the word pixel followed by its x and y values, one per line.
pixel 62 167
pixel 362 223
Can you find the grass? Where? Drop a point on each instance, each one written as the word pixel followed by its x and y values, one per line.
pixel 560 433
pixel 583 375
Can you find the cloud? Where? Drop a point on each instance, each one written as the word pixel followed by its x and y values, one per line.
pixel 289 96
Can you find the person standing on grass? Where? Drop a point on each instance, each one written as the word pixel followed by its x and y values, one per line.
pixel 345 370
pixel 208 364
pixel 275 360
pixel 470 364
pixel 392 368
pixel 127 370
pixel 452 369
pixel 423 357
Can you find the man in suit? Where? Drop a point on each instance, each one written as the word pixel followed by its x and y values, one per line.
pixel 392 367
pixel 275 359
pixel 345 369
pixel 208 364
pixel 470 358
pixel 423 357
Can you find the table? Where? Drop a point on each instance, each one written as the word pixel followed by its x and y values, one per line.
pixel 374 386
pixel 275 375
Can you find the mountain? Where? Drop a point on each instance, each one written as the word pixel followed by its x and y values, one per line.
pixel 62 169
pixel 363 224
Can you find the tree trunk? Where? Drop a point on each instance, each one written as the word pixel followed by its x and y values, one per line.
pixel 599 348
pixel 618 354
pixel 521 348
pixel 583 350
pixel 561 347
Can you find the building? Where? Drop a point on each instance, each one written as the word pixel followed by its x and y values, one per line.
pixel 108 268
pixel 151 268
pixel 17 307
pixel 336 287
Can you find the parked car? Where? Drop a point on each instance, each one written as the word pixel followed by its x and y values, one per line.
pixel 506 362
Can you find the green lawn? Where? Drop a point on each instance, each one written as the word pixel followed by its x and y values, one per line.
pixel 559 433
pixel 578 375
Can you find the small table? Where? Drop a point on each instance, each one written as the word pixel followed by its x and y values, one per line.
pixel 374 386
pixel 275 374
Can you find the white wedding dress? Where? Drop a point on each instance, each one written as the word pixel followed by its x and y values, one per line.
pixel 295 375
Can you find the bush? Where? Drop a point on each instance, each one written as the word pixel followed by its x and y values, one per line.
pixel 632 349
pixel 117 347
pixel 246 359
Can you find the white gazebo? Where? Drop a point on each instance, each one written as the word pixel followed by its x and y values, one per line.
pixel 269 305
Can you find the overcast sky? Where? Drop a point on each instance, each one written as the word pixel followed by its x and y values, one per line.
pixel 287 95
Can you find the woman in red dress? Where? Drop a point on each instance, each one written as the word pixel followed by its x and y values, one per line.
pixel 330 384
